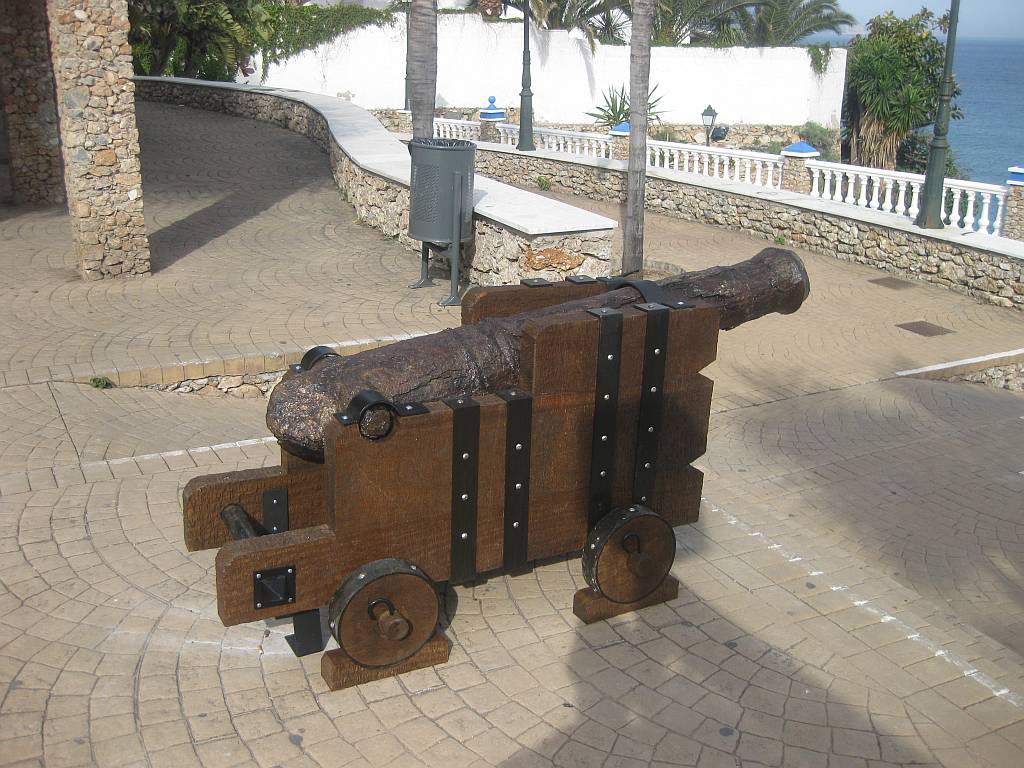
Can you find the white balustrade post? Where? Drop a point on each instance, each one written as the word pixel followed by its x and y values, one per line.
pixel 796 176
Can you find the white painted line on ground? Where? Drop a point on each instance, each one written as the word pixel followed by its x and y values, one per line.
pixel 994 357
pixel 996 688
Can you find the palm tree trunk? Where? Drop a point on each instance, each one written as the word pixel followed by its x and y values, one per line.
pixel 636 174
pixel 421 65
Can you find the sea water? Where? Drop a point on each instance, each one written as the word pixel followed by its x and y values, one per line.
pixel 990 138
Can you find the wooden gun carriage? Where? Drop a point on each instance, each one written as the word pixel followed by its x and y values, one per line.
pixel 589 451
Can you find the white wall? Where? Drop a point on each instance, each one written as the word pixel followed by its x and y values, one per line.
pixel 477 59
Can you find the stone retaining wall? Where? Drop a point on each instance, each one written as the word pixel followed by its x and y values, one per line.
pixel 1009 377
pixel 499 255
pixel 990 277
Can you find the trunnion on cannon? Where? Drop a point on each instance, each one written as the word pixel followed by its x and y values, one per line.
pixel 590 451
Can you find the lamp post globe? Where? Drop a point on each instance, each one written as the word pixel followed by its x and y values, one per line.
pixel 708 116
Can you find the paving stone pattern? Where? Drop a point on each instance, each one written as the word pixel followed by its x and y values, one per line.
pixel 245 222
pixel 858 532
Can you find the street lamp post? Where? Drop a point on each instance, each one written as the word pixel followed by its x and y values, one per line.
pixel 526 95
pixel 930 216
pixel 708 116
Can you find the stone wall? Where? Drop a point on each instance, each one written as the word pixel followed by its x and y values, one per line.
pixel 499 254
pixel 1009 377
pixel 1013 222
pixel 990 277
pixel 99 137
pixel 26 96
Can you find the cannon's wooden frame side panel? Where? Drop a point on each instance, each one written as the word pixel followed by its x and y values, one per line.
pixel 317 557
pixel 204 498
pixel 480 303
pixel 559 367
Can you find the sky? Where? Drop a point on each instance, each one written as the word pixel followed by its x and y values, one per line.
pixel 978 18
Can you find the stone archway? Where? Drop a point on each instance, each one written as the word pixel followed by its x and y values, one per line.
pixel 69 107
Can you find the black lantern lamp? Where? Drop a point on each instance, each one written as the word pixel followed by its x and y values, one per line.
pixel 708 116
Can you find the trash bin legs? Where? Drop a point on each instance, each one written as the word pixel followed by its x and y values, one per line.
pixel 424 281
pixel 455 299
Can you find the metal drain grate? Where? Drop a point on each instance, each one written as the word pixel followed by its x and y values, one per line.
pixel 892 282
pixel 924 328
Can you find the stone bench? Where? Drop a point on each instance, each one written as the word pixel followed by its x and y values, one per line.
pixel 519 234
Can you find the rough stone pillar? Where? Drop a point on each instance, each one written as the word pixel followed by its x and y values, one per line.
pixel 490 116
pixel 620 142
pixel 92 65
pixel 26 95
pixel 796 176
pixel 1013 223
pixel 404 121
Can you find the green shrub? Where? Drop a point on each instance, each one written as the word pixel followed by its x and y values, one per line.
pixel 544 183
pixel 821 138
pixel 101 382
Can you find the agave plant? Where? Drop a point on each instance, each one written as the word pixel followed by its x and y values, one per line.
pixel 615 108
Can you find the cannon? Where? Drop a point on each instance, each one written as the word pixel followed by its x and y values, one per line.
pixel 559 418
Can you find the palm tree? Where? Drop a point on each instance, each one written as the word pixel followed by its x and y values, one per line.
pixel 678 22
pixel 591 17
pixel 636 167
pixel 886 103
pixel 421 65
pixel 787 22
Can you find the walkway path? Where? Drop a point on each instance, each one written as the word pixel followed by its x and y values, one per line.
pixel 858 533
pixel 245 222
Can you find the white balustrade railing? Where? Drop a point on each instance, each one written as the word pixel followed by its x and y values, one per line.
pixel 757 168
pixel 573 142
pixel 456 129
pixel 567 142
pixel 966 205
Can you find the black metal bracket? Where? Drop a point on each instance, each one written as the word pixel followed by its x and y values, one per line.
pixel 370 398
pixel 465 468
pixel 535 282
pixel 273 586
pixel 606 405
pixel 648 289
pixel 308 633
pixel 518 431
pixel 651 291
pixel 581 279
pixel 275 510
pixel 651 396
pixel 313 356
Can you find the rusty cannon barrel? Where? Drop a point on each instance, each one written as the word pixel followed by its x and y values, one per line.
pixel 484 357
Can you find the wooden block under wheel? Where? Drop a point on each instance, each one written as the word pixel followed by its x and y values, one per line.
pixel 339 671
pixel 590 605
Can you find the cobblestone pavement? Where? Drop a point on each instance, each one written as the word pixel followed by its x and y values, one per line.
pixel 245 222
pixel 850 591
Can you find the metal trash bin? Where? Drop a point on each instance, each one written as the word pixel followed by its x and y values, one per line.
pixel 441 203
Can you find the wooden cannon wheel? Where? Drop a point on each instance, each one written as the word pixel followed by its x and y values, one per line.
pixel 628 554
pixel 384 612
